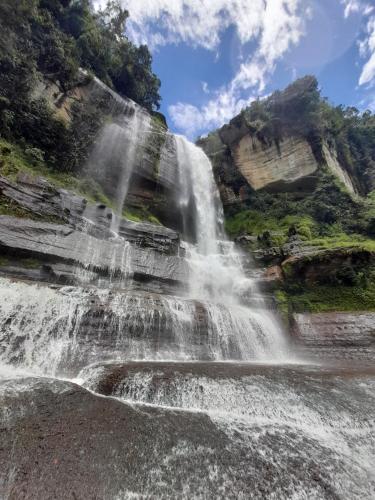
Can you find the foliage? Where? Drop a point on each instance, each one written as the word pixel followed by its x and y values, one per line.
pixel 256 223
pixel 353 135
pixel 48 41
pixel 140 215
pixel 294 110
pixel 56 37
pixel 328 212
pixel 327 298
pixel 14 160
pixel 301 110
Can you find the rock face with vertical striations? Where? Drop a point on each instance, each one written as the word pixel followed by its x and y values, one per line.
pixel 288 165
pixel 270 147
pixel 248 164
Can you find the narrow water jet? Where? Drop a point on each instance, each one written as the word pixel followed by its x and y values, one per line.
pixel 117 153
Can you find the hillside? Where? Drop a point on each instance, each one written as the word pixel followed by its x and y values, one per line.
pixel 44 45
pixel 297 179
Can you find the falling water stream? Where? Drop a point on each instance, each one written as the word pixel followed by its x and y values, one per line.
pixel 214 348
pixel 216 274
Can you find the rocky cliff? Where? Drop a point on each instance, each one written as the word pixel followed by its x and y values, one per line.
pixel 268 153
pixel 90 105
pixel 297 195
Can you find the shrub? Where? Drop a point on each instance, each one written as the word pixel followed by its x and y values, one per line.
pixel 34 155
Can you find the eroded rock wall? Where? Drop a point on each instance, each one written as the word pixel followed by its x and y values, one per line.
pixel 335 335
pixel 244 162
pixel 155 172
pixel 288 165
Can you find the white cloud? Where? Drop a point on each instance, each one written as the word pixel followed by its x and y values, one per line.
pixel 367 45
pixel 191 119
pixel 279 25
pixel 196 22
pixel 205 88
pixel 356 6
pixel 367 48
pixel 273 26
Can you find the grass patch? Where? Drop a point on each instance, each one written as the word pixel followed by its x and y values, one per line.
pixel 30 263
pixel 140 215
pixel 254 223
pixel 275 232
pixel 3 261
pixel 328 299
pixel 14 160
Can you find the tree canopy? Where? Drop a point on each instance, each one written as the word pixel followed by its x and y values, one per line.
pixel 56 37
pixel 50 40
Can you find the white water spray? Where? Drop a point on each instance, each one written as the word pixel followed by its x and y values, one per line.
pixel 118 152
pixel 217 277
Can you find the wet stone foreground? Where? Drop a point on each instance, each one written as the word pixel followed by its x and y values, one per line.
pixel 190 430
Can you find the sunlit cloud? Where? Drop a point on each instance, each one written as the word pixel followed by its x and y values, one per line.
pixel 367 44
pixel 367 49
pixel 273 27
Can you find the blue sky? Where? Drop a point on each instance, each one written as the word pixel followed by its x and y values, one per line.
pixel 214 56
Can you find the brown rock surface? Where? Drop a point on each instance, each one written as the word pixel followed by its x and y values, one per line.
pixel 273 167
pixel 335 335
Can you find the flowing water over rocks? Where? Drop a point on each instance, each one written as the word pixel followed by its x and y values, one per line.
pixel 138 361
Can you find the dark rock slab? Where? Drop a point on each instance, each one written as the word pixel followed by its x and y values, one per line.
pixel 61 243
pixel 59 441
pixel 110 378
pixel 41 198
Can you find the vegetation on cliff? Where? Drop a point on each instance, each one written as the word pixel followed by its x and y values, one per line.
pixel 327 227
pixel 301 110
pixel 50 114
pixel 48 41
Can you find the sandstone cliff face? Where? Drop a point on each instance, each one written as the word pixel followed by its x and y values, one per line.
pixel 243 163
pixel 289 165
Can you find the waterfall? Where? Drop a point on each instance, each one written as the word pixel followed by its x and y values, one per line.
pixel 220 316
pixel 197 184
pixel 216 273
pixel 118 152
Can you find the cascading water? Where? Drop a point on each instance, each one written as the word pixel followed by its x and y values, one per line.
pixel 117 153
pixel 222 316
pixel 216 275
